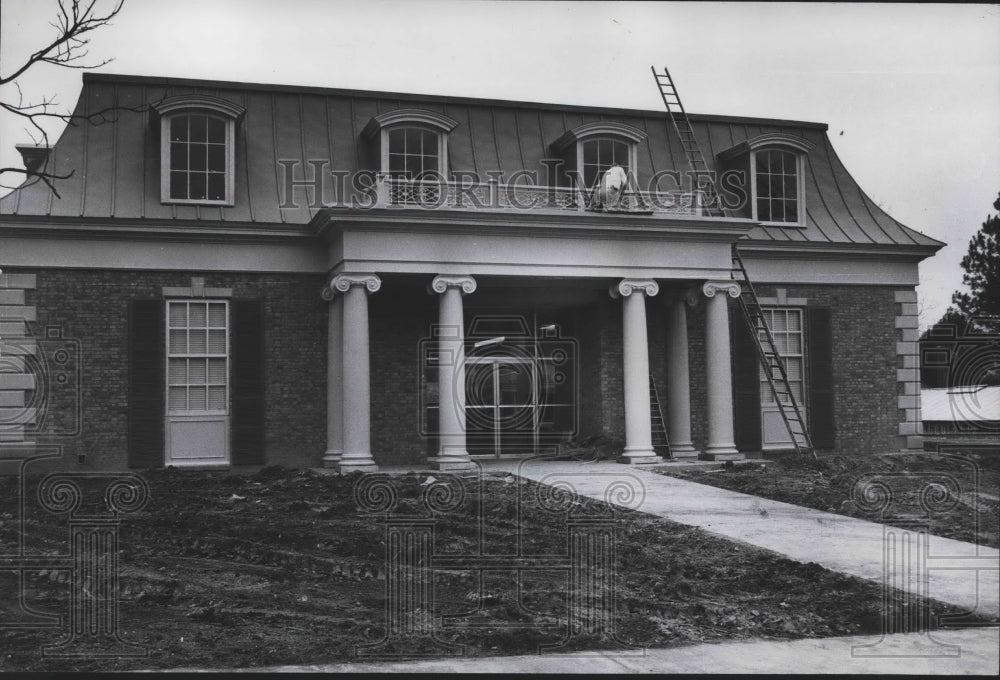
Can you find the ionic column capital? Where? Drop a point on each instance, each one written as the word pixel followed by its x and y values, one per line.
pixel 442 282
pixel 341 283
pixel 731 288
pixel 626 287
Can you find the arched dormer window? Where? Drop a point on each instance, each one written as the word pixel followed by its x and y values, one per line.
pixel 775 165
pixel 411 143
pixel 197 139
pixel 592 148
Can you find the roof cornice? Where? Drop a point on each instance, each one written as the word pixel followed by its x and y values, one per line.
pixel 538 222
pixel 150 229
pixel 819 249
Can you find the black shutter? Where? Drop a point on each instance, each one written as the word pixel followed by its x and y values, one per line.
pixel 146 383
pixel 248 382
pixel 746 386
pixel 819 353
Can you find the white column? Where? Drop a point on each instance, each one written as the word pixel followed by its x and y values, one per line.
pixel 334 379
pixel 452 454
pixel 635 351
pixel 679 378
pixel 356 371
pixel 721 444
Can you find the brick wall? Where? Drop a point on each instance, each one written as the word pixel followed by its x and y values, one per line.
pixel 90 310
pixel 864 362
pixel 401 318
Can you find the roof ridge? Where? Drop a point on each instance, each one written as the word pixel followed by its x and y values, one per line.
pixel 416 96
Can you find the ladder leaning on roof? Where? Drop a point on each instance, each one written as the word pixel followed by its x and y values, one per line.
pixel 767 351
pixel 689 143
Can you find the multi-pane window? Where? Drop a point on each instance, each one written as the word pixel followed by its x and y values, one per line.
pixel 413 153
pixel 198 158
pixel 600 154
pixel 777 177
pixel 786 329
pixel 197 356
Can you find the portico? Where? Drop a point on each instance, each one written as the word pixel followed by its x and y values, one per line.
pixel 349 381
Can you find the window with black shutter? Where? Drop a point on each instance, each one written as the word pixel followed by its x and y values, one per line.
pixel 819 339
pixel 146 387
pixel 247 382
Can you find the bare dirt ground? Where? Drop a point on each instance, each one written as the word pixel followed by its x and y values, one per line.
pixel 957 494
pixel 281 567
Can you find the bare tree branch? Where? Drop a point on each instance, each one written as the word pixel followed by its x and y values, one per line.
pixel 69 46
pixel 74 21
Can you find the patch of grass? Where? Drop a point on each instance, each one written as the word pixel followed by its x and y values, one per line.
pixel 223 570
pixel 957 494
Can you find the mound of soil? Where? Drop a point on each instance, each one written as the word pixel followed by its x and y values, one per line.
pixel 283 566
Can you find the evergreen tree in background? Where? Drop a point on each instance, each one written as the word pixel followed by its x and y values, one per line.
pixel 963 347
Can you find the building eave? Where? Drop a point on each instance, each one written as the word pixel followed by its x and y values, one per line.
pixel 826 250
pixel 584 224
pixel 45 227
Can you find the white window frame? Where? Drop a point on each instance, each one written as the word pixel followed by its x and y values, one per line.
pixel 633 154
pixel 588 132
pixel 165 122
pixel 197 104
pixel 377 130
pixel 800 198
pixel 205 355
pixel 442 146
pixel 765 389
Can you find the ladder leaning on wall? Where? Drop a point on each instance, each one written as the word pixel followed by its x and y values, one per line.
pixel 768 354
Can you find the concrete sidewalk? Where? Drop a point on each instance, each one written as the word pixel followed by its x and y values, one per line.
pixel 959 573
pixel 962 652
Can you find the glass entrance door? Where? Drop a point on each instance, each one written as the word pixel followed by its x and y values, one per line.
pixel 502 406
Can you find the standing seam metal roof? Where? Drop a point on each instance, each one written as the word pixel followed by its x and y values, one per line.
pixel 116 165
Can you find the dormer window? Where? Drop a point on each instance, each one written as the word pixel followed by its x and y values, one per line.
pixel 777 180
pixel 589 150
pixel 411 144
pixel 197 152
pixel 774 164
pixel 414 153
pixel 600 154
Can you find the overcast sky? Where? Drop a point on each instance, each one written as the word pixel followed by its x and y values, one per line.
pixel 911 92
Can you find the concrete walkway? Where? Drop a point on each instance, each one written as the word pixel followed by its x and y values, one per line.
pixel 959 573
pixel 962 652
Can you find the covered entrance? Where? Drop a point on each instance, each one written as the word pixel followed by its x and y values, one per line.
pixel 521 381
pixel 503 406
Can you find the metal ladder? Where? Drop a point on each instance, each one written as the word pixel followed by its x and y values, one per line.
pixel 771 359
pixel 661 443
pixel 692 151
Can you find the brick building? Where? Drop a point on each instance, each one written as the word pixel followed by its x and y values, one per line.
pixel 255 274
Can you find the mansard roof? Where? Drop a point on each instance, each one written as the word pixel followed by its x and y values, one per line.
pixel 116 174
